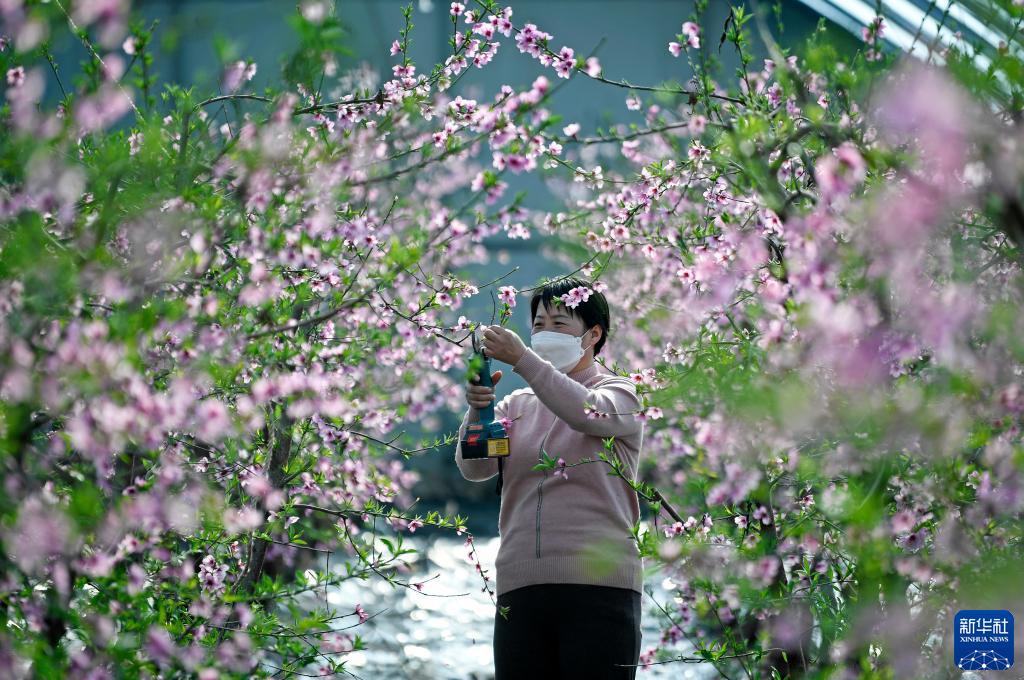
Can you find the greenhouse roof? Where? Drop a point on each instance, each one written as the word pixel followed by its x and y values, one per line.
pixel 921 27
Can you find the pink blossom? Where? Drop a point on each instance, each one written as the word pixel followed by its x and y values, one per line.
pixel 772 332
pixel 507 294
pixel 462 109
pixel 484 29
pixel 1012 398
pixel 734 488
pixel 129 544
pixel 42 531
pixel 575 296
pixel 909 110
pixel 213 421
pixel 315 11
pixel 517 231
pixel 529 41
pixel 106 12
pixel 764 570
pixel 686 276
pixel 440 137
pixel 565 62
pixel 242 519
pixel 571 130
pixel 902 521
pixel 134 143
pixel 675 49
pixel 516 162
pixel 337 642
pixel 99 565
pixel 396 47
pixel 763 515
pixel 698 153
pixel 838 173
pixel 159 646
pixel 592 67
pixel 457 9
pixel 650 413
pixel 633 103
pixel 211 575
pixel 235 74
pixel 540 85
pixel 502 23
pixel 136 579
pixel 16 76
pixel 692 33
pixel 644 377
pixel 363 616
pixel 770 222
pixel 874 31
pixel 915 540
pixel 560 470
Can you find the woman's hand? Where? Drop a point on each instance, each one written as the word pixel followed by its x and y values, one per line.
pixel 502 344
pixel 478 396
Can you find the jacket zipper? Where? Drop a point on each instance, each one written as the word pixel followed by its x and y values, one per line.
pixel 540 490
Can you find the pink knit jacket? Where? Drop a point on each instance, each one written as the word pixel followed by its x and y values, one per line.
pixel 556 530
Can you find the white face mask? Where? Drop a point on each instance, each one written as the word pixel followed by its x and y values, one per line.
pixel 560 349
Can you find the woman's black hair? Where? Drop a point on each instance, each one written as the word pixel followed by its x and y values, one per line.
pixel 594 311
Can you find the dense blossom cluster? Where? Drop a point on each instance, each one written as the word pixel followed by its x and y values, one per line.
pixel 690 37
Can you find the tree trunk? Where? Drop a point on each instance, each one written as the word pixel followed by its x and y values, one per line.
pixel 280 455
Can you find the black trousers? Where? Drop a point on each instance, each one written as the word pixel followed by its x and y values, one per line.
pixel 563 631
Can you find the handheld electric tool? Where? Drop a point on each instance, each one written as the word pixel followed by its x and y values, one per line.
pixel 487 438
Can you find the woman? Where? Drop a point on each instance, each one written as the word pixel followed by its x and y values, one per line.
pixel 567 566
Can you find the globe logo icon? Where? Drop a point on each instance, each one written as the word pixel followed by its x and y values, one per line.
pixel 981 660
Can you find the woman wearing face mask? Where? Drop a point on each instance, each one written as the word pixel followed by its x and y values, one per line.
pixel 567 565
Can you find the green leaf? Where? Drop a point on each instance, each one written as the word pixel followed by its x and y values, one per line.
pixel 86 506
pixel 547 462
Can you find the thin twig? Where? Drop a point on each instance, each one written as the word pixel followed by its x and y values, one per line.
pixel 92 50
